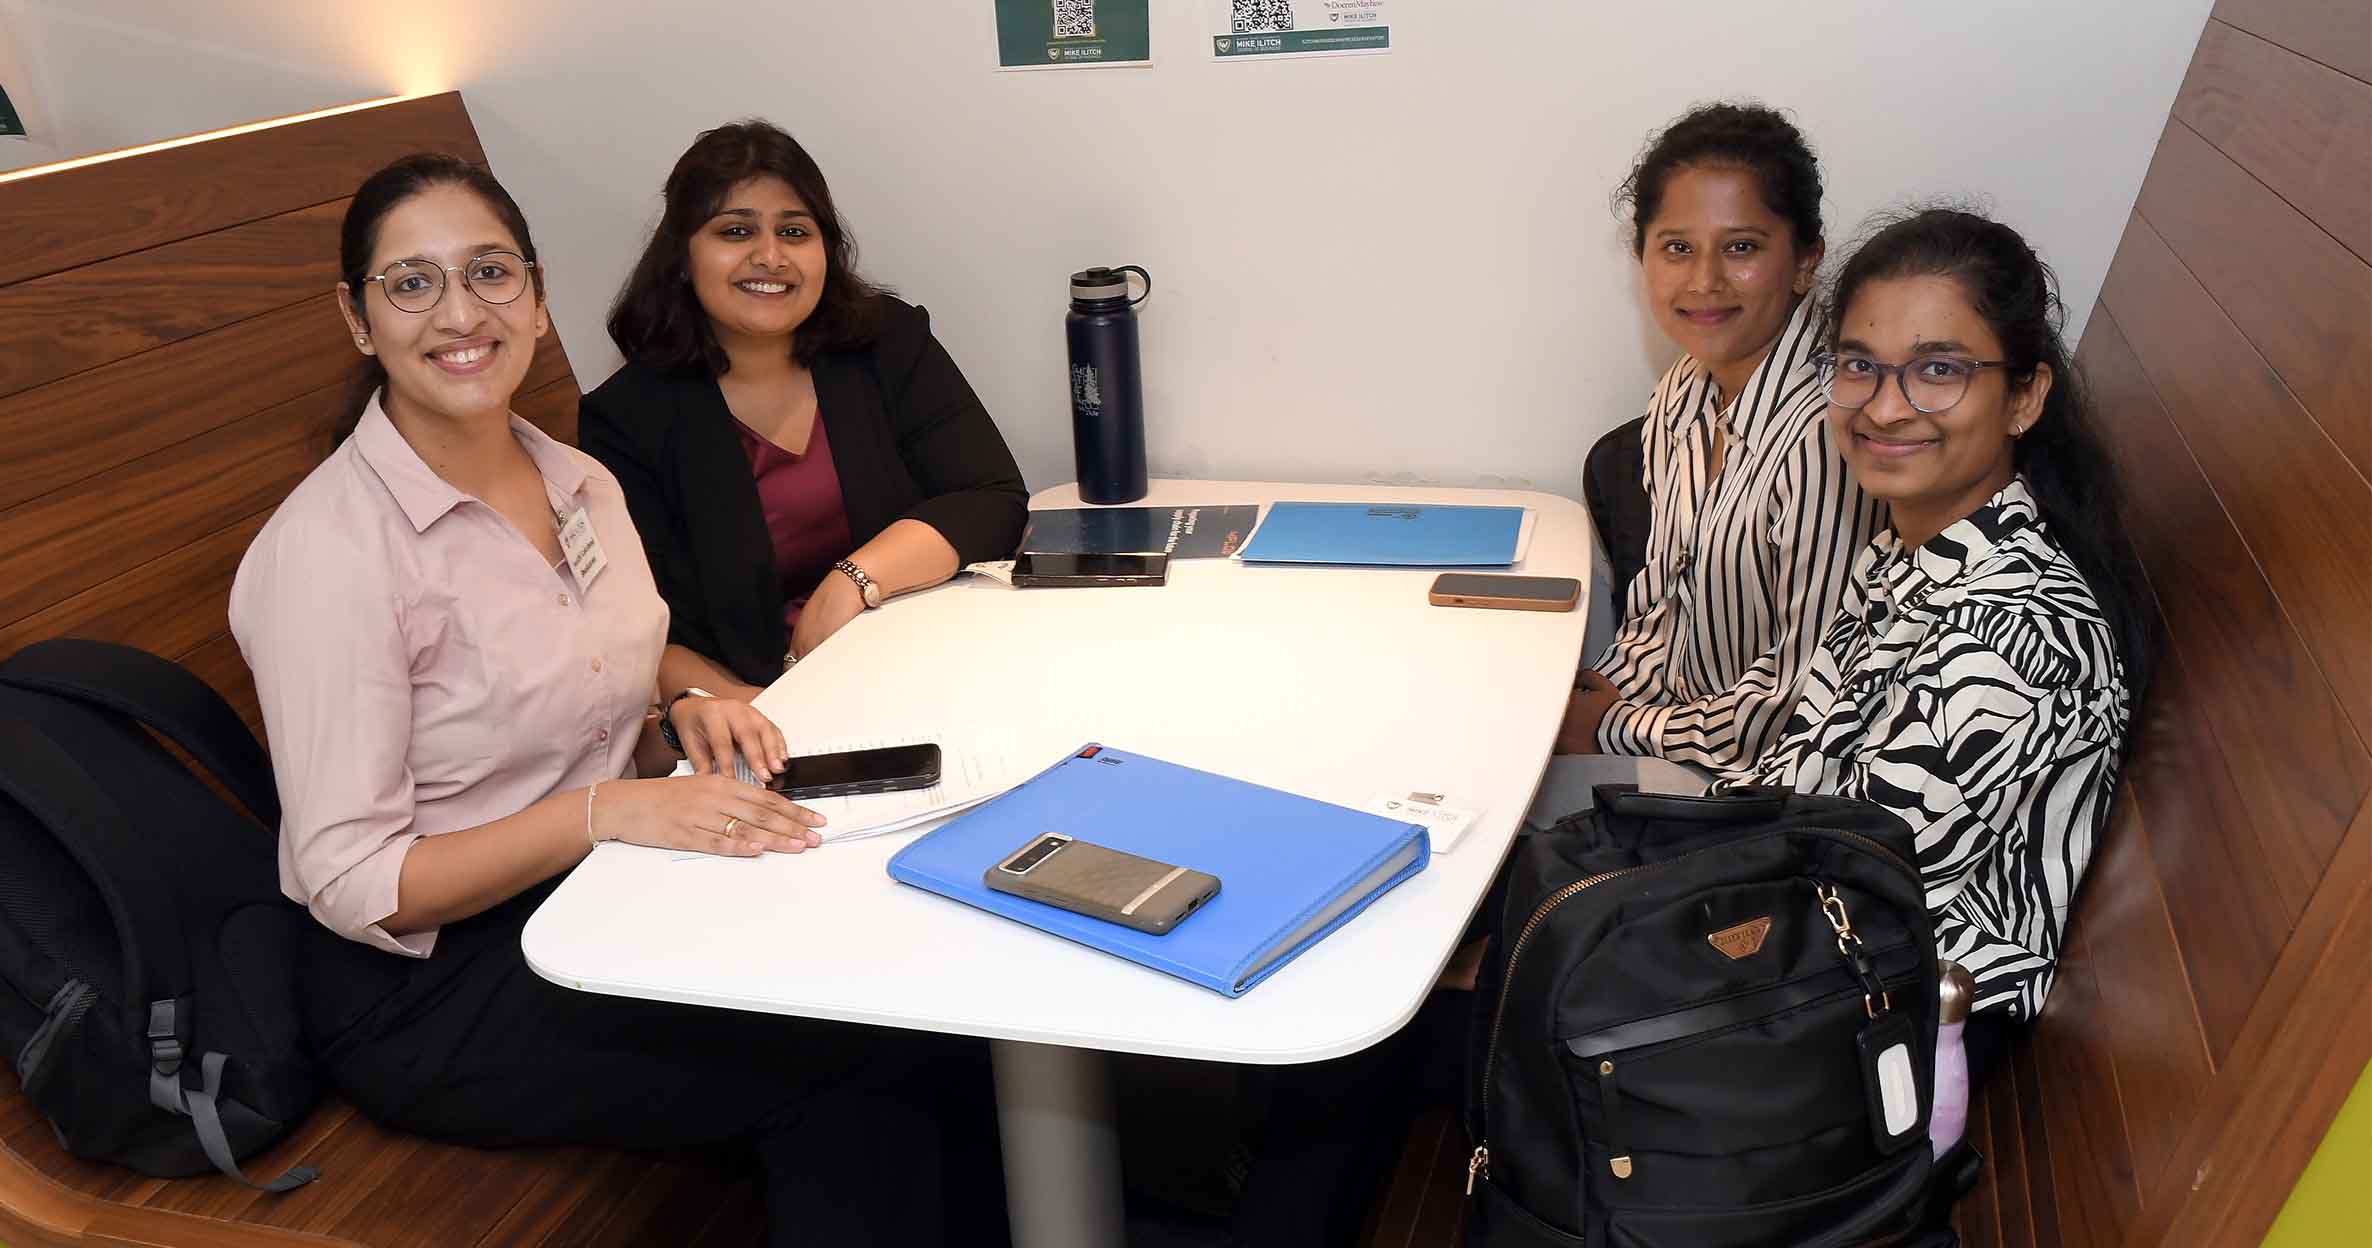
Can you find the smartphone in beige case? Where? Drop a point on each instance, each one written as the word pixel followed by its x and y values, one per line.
pixel 1086 878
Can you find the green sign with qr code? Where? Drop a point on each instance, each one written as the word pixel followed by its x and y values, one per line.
pixel 1262 29
pixel 11 125
pixel 1073 34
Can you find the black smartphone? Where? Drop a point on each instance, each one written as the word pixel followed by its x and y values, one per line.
pixel 1108 884
pixel 1045 570
pixel 890 769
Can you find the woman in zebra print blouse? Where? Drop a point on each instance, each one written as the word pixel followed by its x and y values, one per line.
pixel 1983 671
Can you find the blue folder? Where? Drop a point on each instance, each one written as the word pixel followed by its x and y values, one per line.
pixel 1402 534
pixel 1291 869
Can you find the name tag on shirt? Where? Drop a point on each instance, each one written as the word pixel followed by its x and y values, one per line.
pixel 582 548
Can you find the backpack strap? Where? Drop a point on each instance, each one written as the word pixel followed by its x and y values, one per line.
pixel 161 694
pixel 47 781
pixel 201 1109
pixel 1737 804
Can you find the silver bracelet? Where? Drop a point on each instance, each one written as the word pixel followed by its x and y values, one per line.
pixel 590 839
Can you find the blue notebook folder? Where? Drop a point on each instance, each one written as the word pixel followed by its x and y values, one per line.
pixel 1403 534
pixel 1291 869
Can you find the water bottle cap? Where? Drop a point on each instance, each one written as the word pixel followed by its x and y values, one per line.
pixel 1958 991
pixel 1099 285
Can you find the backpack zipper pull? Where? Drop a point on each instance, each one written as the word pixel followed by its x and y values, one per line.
pixel 1611 1100
pixel 1478 1165
pixel 1875 1000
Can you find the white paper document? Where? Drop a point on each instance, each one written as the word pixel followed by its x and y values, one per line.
pixel 968 776
pixel 997 572
pixel 1444 818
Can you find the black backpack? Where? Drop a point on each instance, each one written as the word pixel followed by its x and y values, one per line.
pixel 147 979
pixel 1709 1022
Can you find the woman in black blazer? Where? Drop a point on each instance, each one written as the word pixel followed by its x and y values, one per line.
pixel 794 445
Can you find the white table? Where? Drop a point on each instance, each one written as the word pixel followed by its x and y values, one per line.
pixel 1333 682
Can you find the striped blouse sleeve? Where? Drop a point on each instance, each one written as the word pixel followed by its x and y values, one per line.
pixel 1819 523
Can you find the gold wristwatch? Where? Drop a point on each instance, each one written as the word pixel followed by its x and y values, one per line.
pixel 867 587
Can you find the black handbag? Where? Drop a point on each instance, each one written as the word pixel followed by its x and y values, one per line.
pixel 1711 1023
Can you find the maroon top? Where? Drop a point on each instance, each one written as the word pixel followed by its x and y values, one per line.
pixel 805 514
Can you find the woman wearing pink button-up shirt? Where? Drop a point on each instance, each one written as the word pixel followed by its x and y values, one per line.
pixel 455 638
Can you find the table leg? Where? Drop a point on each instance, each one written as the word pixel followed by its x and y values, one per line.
pixel 1062 1145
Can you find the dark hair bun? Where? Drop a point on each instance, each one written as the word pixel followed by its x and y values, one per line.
pixel 1750 137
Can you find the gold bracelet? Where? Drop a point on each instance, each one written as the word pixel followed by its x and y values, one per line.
pixel 590 839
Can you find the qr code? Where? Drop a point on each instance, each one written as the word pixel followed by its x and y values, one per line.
pixel 1074 19
pixel 1263 15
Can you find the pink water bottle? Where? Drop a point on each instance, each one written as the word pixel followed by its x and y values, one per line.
pixel 1950 1116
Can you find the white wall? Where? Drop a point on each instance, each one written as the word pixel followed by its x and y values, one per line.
pixel 90 77
pixel 1390 268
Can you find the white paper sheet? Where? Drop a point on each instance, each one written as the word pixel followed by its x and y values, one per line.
pixel 1444 817
pixel 969 775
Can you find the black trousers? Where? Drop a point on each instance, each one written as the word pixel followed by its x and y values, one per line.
pixel 865 1135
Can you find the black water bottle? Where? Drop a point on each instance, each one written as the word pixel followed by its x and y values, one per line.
pixel 1107 386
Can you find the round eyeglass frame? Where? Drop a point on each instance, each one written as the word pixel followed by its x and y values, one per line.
pixel 1902 380
pixel 444 273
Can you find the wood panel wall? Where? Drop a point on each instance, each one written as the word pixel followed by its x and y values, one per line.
pixel 2215 1001
pixel 172 364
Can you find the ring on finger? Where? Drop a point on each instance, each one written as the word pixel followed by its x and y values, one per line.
pixel 730 822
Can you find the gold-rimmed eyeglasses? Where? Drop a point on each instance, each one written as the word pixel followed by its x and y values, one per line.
pixel 497 277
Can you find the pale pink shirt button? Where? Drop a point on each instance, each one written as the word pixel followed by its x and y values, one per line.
pixel 415 676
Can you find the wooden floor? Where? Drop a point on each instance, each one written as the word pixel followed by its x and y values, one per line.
pixel 380 1190
pixel 387 1190
pixel 393 1191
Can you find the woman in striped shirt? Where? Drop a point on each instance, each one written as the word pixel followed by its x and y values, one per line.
pixel 1755 519
pixel 1982 674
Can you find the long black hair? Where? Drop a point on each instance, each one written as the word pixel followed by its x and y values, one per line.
pixel 1747 136
pixel 2066 465
pixel 380 194
pixel 657 318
